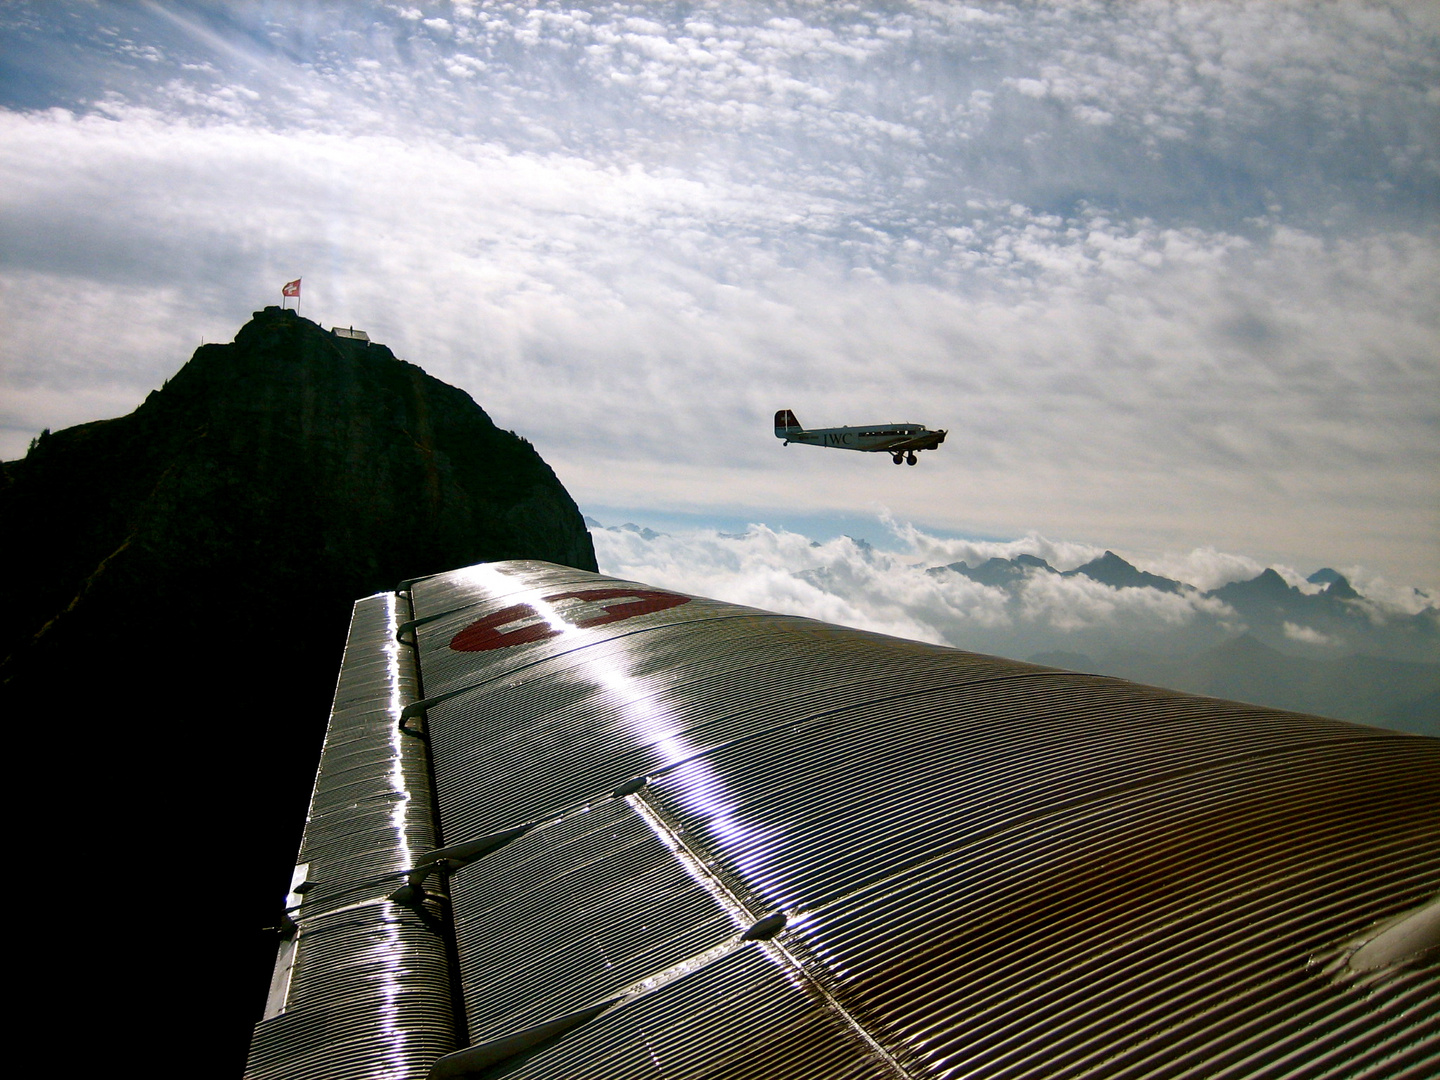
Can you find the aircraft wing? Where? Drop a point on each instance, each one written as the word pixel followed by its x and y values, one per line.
pixel 670 836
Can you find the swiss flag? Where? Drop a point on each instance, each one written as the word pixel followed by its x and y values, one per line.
pixel 292 288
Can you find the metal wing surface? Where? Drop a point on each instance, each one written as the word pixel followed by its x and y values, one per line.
pixel 692 839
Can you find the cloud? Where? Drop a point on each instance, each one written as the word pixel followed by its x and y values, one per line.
pixel 906 591
pixel 850 582
pixel 632 235
pixel 1307 635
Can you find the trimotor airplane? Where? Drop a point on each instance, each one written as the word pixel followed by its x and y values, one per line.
pixel 901 441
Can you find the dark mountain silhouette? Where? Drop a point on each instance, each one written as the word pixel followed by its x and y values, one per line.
pixel 291 466
pixel 993 572
pixel 181 580
pixel 1109 569
pixel 1114 571
pixel 1035 561
pixel 1266 587
pixel 1332 652
pixel 1269 597
pixel 1340 589
pixel 996 571
pixel 1274 611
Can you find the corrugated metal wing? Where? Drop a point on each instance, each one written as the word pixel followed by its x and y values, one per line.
pixel 724 842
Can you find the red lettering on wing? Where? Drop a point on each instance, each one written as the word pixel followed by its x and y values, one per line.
pixel 489 633
pixel 486 633
pixel 643 602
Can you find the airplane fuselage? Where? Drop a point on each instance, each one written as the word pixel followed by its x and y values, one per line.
pixel 896 439
pixel 883 438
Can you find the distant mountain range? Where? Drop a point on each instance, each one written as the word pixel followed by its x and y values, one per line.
pixel 1329 651
pixel 1324 649
pixel 1272 610
pixel 1109 569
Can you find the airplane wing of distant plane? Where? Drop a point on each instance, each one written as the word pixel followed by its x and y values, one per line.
pixel 902 441
pixel 572 826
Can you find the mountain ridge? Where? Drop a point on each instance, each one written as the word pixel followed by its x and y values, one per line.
pixel 1267 597
pixel 291 455
pixel 1379 670
pixel 1323 648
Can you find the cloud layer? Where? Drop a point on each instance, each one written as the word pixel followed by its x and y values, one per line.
pixel 1165 272
pixel 905 590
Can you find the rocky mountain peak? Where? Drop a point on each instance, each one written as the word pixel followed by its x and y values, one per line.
pixel 181 581
pixel 1110 569
pixel 1341 589
pixel 1268 585
pixel 291 458
pixel 1034 561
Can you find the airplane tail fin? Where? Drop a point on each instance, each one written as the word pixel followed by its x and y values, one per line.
pixel 785 424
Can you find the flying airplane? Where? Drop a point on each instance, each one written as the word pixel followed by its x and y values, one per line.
pixel 901 441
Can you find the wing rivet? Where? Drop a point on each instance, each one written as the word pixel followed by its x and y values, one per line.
pixel 766 928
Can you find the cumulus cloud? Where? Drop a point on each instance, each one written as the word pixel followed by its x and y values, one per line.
pixel 905 589
pixel 1306 634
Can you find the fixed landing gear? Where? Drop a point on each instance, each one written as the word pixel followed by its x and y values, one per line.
pixel 898 458
pixel 910 458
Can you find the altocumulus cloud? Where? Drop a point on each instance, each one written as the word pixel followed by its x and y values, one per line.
pixel 1166 272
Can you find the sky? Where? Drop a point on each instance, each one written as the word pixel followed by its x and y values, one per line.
pixel 1166 272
